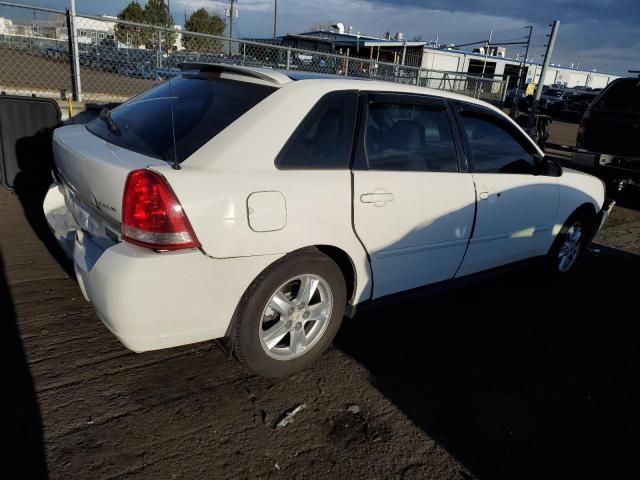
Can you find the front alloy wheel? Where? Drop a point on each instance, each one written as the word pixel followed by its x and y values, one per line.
pixel 571 247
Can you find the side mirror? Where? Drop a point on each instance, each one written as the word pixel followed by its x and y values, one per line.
pixel 548 166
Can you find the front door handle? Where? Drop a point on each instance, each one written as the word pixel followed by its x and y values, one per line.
pixel 486 195
pixel 377 198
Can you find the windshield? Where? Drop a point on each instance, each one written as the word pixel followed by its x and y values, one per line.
pixel 202 105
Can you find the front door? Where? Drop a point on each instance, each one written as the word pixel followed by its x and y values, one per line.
pixel 516 205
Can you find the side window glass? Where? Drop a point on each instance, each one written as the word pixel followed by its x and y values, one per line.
pixel 324 138
pixel 494 149
pixel 409 137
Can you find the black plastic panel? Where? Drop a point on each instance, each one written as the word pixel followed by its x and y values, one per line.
pixel 26 127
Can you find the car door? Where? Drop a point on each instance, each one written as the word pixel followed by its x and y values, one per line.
pixel 516 206
pixel 413 202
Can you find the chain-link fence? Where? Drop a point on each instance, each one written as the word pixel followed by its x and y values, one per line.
pixel 117 60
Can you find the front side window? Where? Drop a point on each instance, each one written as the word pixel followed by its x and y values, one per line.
pixel 409 137
pixel 495 147
pixel 324 138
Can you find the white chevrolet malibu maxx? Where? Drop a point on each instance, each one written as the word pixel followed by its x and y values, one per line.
pixel 260 206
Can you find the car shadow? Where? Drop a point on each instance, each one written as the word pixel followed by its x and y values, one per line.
pixel 520 376
pixel 21 434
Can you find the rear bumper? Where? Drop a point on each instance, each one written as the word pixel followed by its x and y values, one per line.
pixel 612 163
pixel 155 300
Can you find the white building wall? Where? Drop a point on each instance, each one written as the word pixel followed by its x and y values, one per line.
pixel 454 61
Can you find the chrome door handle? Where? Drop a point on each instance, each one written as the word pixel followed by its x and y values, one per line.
pixel 483 195
pixel 377 198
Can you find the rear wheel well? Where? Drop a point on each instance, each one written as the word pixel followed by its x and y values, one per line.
pixel 345 264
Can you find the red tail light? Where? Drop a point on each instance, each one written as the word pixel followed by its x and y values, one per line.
pixel 152 216
pixel 581 129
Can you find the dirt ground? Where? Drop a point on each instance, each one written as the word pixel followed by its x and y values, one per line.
pixel 521 376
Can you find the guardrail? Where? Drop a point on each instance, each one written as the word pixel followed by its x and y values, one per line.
pixel 119 59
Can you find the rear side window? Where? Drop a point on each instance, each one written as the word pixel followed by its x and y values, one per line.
pixel 409 137
pixel 495 145
pixel 622 95
pixel 203 105
pixel 323 140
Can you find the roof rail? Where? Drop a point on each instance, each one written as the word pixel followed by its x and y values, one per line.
pixel 267 75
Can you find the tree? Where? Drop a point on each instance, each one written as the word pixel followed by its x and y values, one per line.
pixel 156 12
pixel 129 34
pixel 202 21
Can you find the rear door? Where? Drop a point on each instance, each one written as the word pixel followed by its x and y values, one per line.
pixel 516 207
pixel 414 201
pixel 613 122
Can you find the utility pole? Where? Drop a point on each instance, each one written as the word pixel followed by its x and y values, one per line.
pixel 545 65
pixel 486 51
pixel 231 14
pixel 522 77
pixel 77 91
pixel 275 18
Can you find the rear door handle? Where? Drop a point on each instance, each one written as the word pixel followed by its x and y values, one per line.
pixel 377 198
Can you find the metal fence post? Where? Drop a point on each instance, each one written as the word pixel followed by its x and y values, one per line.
pixel 288 58
pixel 505 85
pixel 346 64
pixel 418 75
pixel 74 63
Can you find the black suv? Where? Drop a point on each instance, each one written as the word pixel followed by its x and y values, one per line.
pixel 609 133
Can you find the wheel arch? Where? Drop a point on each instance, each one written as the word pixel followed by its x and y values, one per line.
pixel 337 254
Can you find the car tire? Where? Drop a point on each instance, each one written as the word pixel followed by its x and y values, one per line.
pixel 570 243
pixel 279 330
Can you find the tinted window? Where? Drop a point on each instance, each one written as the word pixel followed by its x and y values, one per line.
pixel 203 105
pixel 495 147
pixel 552 92
pixel 324 138
pixel 621 95
pixel 409 137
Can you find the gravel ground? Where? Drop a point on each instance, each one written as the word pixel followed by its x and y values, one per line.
pixel 520 376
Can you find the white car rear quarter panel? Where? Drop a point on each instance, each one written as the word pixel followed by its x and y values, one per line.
pixel 155 300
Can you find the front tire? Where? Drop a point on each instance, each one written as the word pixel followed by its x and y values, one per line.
pixel 290 314
pixel 570 244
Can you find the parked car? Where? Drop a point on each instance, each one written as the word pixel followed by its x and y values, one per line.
pixel 552 100
pixel 523 101
pixel 260 206
pixel 576 105
pixel 608 135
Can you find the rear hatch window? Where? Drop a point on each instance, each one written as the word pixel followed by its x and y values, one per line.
pixel 622 96
pixel 189 109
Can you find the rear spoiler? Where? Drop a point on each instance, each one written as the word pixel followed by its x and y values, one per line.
pixel 271 76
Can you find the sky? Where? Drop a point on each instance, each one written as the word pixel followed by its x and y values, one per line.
pixel 598 34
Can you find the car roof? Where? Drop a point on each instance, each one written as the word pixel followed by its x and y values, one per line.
pixel 280 78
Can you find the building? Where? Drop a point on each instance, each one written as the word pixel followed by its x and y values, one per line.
pixel 438 63
pixel 477 64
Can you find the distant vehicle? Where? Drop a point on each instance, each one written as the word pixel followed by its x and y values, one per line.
pixel 609 133
pixel 55 52
pixel 576 105
pixel 552 100
pixel 259 205
pixel 523 101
